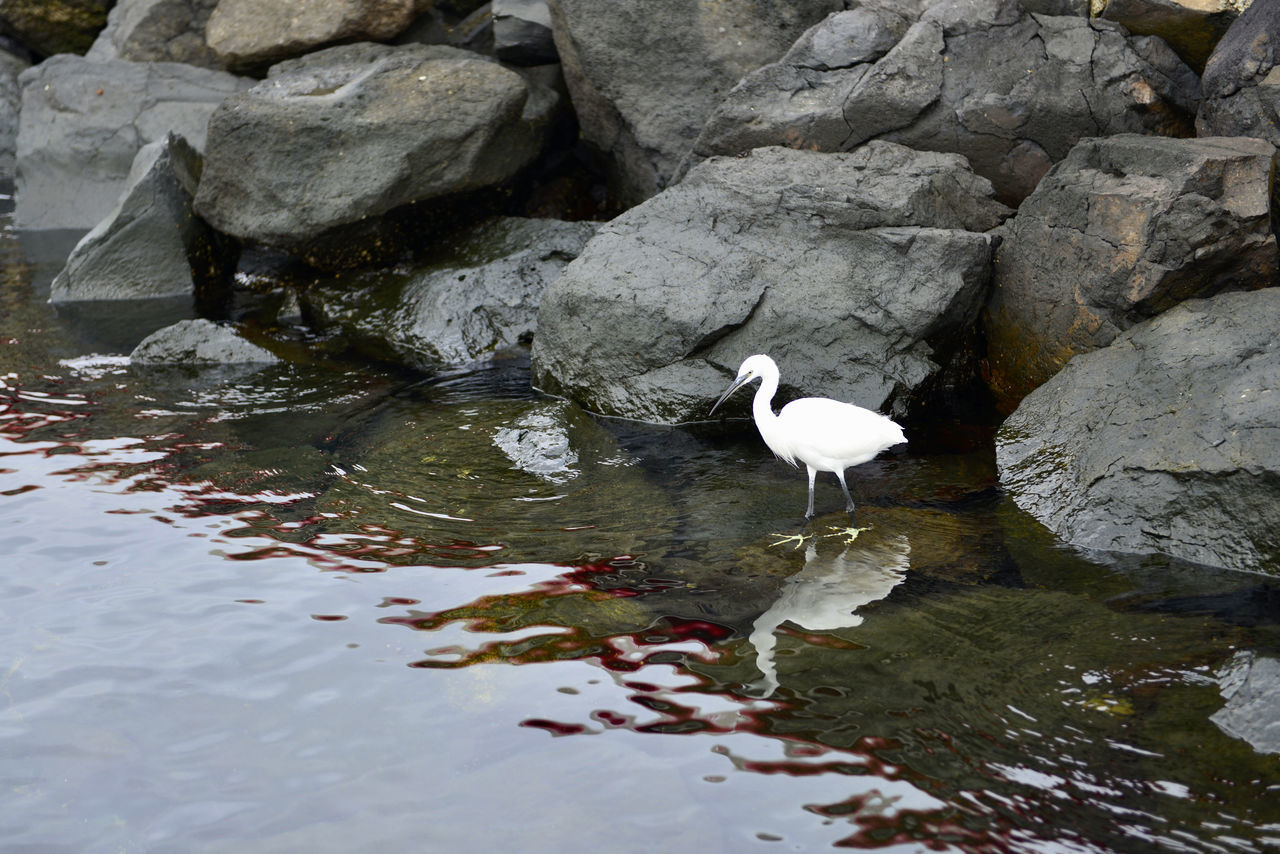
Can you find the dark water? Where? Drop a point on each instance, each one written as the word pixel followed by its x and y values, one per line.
pixel 327 607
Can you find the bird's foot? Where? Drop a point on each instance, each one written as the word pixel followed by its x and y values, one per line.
pixel 798 539
pixel 850 534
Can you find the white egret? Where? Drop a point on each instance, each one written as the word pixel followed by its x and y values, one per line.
pixel 824 434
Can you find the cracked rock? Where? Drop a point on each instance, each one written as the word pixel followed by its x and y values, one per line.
pixel 1121 230
pixel 1241 83
pixel 1167 441
pixel 876 254
pixel 1011 91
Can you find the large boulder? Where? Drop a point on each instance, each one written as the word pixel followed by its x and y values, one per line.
pixel 83 123
pixel 54 26
pixel 249 34
pixel 1167 441
pixel 1121 230
pixel 199 342
pixel 351 132
pixel 1191 27
pixel 475 296
pixel 152 244
pixel 1011 91
pixel 643 76
pixel 157 31
pixel 1241 86
pixel 856 271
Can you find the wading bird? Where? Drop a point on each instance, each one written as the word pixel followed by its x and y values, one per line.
pixel 824 434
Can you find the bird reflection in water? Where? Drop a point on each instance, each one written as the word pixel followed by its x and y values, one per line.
pixel 827 593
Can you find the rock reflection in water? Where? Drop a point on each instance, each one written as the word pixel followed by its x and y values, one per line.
pixel 827 593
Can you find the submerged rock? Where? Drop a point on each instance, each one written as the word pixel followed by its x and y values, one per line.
pixel 1191 27
pixel 1121 230
pixel 255 33
pixel 1167 441
pixel 1251 686
pixel 858 272
pixel 197 342
pixel 352 132
pixel 152 244
pixel 475 297
pixel 1241 82
pixel 1011 91
pixel 51 27
pixel 83 123
pixel 643 76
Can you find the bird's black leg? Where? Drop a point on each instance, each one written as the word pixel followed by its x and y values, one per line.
pixel 847 497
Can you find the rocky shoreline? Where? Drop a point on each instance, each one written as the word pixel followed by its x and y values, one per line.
pixel 1063 213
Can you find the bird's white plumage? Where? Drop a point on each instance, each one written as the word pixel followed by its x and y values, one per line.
pixel 823 434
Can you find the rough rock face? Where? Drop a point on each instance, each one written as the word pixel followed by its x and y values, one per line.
pixel 1167 441
pixel 643 76
pixel 873 255
pixel 352 132
pixel 477 297
pixel 1190 27
pixel 522 32
pixel 152 244
pixel 10 101
pixel 1122 229
pixel 49 27
pixel 198 342
pixel 255 33
pixel 83 123
pixel 1241 83
pixel 157 31
pixel 1010 91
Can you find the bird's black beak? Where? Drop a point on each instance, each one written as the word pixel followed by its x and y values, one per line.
pixel 737 384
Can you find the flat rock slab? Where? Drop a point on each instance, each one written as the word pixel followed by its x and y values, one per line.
pixel 255 33
pixel 1011 91
pixel 875 255
pixel 352 132
pixel 83 123
pixel 474 297
pixel 198 342
pixel 1167 441
pixel 1122 229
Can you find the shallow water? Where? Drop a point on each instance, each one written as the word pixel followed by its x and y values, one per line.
pixel 328 607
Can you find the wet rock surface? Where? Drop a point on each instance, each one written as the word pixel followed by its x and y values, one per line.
pixel 477 298
pixel 783 252
pixel 1167 441
pixel 199 342
pixel 1122 229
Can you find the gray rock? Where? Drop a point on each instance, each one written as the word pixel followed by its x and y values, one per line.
pixel 522 32
pixel 50 27
pixel 477 296
pixel 1251 686
pixel 1167 441
pixel 10 101
pixel 1191 27
pixel 83 123
pixel 1010 91
pixel 873 255
pixel 1241 82
pixel 249 34
pixel 1121 230
pixel 352 132
pixel 644 76
pixel 152 244
pixel 538 441
pixel 157 31
pixel 198 342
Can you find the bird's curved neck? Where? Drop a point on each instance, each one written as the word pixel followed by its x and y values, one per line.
pixel 761 405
